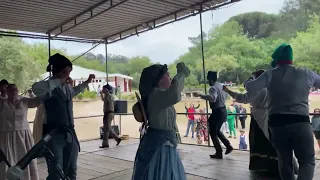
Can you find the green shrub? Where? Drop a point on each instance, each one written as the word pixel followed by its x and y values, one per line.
pixel 242 89
pixel 128 97
pixel 79 96
pixel 87 95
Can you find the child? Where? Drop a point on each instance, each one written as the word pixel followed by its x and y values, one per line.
pixel 199 139
pixel 242 145
pixel 231 120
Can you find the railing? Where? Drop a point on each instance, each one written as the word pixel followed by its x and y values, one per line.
pixel 87 128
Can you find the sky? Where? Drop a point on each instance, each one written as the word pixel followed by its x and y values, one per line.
pixel 166 44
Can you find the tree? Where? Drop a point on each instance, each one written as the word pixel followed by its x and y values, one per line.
pixel 306 46
pixel 257 24
pixel 15 65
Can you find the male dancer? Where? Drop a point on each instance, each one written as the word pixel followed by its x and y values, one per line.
pixel 217 98
pixel 58 93
pixel 288 89
pixel 108 110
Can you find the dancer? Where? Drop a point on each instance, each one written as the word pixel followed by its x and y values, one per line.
pixel 217 99
pixel 58 93
pixel 3 88
pixel 288 90
pixel 108 109
pixel 15 135
pixel 263 156
pixel 157 157
pixel 315 121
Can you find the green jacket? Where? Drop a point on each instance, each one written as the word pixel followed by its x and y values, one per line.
pixel 231 117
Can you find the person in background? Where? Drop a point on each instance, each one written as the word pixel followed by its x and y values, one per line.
pixel 225 127
pixel 243 142
pixel 15 135
pixel 108 109
pixel 157 157
pixel 231 121
pixel 197 118
pixel 315 121
pixel 217 100
pixel 99 90
pixel 57 94
pixel 288 110
pixel 242 116
pixel 191 119
pixel 3 88
pixel 236 107
pixel 203 130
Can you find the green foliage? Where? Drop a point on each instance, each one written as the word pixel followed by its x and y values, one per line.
pixel 128 97
pixel 241 89
pixel 87 95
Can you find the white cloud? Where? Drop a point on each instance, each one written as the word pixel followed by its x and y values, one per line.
pixel 167 43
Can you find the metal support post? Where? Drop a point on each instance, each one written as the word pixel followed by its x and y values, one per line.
pixel 49 50
pixel 107 61
pixel 204 72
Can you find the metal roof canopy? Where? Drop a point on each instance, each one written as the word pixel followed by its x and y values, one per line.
pixel 96 21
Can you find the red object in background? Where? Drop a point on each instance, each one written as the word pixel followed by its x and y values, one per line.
pixel 191 113
pixel 125 85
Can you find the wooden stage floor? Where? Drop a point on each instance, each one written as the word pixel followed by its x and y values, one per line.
pixel 116 163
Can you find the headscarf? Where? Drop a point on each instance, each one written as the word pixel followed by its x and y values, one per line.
pixel 149 79
pixel 258 73
pixel 58 62
pixel 4 82
pixel 283 54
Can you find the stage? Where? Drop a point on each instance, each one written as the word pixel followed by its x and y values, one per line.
pixel 116 163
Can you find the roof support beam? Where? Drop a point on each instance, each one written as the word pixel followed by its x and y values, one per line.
pixel 169 22
pixel 92 15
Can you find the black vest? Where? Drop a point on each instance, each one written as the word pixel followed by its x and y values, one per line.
pixel 58 111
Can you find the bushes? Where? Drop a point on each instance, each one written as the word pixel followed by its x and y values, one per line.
pixel 86 95
pixel 128 97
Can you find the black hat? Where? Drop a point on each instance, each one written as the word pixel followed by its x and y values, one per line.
pixel 58 62
pixel 212 75
pixel 4 82
pixel 109 87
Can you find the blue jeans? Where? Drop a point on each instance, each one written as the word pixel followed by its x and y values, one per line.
pixel 65 151
pixel 190 124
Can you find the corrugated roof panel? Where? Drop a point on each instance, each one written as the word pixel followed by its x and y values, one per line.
pixel 94 19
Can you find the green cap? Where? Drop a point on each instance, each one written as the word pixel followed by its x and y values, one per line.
pixel 282 53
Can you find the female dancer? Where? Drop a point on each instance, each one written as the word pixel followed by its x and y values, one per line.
pixel 15 135
pixel 157 157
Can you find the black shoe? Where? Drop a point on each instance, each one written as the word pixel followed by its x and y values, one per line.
pixel 216 156
pixel 229 150
pixel 118 141
pixel 185 136
pixel 107 146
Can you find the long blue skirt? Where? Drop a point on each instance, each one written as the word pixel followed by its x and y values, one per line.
pixel 164 164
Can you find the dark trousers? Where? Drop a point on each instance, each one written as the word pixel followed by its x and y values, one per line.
pixel 65 149
pixel 243 122
pixel 107 119
pixel 216 119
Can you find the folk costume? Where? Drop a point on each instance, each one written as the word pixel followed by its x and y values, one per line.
pixel 15 135
pixel 59 115
pixel 288 111
pixel 263 156
pixel 108 110
pixel 217 99
pixel 157 157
